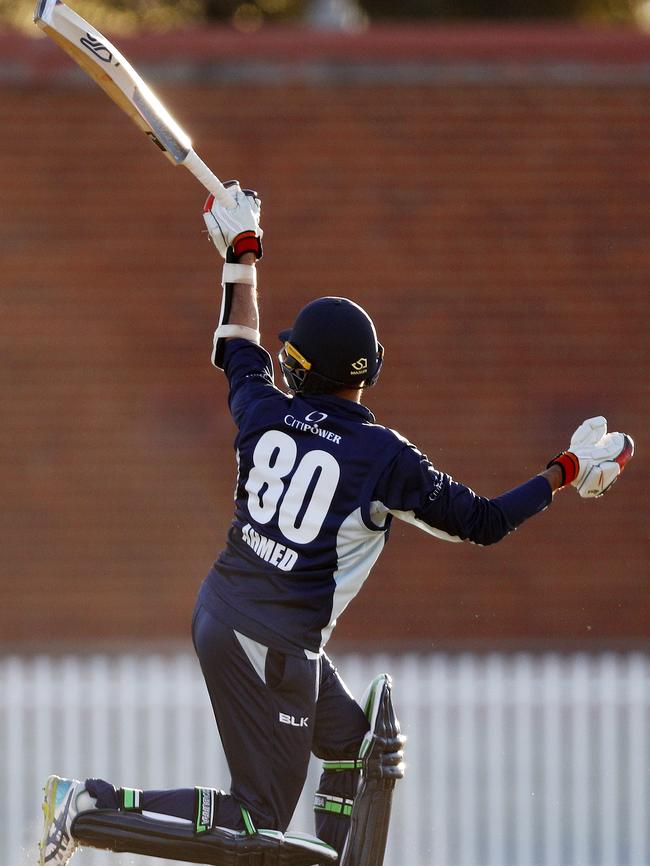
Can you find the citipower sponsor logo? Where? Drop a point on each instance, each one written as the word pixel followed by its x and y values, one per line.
pixel 311 424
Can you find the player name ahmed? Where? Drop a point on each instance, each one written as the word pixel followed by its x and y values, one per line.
pixel 270 551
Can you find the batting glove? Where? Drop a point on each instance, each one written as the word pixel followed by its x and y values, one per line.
pixel 237 227
pixel 595 457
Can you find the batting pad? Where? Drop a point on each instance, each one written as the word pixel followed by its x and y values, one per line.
pixel 382 755
pixel 137 834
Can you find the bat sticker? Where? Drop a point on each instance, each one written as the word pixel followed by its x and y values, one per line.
pixel 100 51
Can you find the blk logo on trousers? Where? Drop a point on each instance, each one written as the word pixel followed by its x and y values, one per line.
pixel 286 719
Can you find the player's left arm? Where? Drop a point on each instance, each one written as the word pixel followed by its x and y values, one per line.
pixel 244 309
pixel 237 235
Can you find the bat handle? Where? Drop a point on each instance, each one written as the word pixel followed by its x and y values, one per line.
pixel 210 181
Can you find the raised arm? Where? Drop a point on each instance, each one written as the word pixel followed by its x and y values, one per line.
pixel 243 306
pixel 237 235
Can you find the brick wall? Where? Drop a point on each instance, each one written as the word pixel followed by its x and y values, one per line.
pixel 490 209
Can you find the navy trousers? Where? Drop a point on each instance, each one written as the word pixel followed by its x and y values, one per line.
pixel 272 711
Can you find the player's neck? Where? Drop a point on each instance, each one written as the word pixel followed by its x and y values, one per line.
pixel 353 394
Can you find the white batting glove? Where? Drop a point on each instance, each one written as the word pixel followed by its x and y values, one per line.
pixel 238 227
pixel 595 457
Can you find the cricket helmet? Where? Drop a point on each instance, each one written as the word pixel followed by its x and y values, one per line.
pixel 331 345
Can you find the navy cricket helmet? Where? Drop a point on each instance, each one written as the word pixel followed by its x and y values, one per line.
pixel 331 345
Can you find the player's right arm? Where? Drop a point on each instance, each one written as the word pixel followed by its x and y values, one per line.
pixel 414 490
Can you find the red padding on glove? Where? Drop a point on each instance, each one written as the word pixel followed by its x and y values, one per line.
pixel 569 464
pixel 627 453
pixel 247 242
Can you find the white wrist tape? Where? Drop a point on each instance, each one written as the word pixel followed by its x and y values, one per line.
pixel 223 332
pixel 234 273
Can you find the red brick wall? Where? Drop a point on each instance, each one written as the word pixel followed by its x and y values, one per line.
pixel 497 231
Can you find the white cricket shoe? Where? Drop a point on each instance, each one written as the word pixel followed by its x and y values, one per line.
pixel 59 808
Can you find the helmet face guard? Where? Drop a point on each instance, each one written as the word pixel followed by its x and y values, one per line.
pixel 298 372
pixel 295 368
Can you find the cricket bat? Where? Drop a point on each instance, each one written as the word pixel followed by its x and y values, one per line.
pixel 114 74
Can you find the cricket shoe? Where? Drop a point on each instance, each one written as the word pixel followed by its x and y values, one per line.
pixel 59 809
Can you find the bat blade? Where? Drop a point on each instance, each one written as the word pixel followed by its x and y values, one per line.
pixel 102 61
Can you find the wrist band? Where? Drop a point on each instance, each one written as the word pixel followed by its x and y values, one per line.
pixel 225 332
pixel 569 464
pixel 234 273
pixel 247 242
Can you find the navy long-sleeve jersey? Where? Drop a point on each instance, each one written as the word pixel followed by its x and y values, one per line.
pixel 318 484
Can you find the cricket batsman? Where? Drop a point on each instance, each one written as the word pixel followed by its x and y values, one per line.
pixel 318 484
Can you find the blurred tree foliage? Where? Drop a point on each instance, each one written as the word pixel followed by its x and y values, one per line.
pixel 128 15
pixel 594 10
pixel 116 16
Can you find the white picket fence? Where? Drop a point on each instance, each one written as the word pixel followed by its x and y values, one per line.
pixel 513 760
